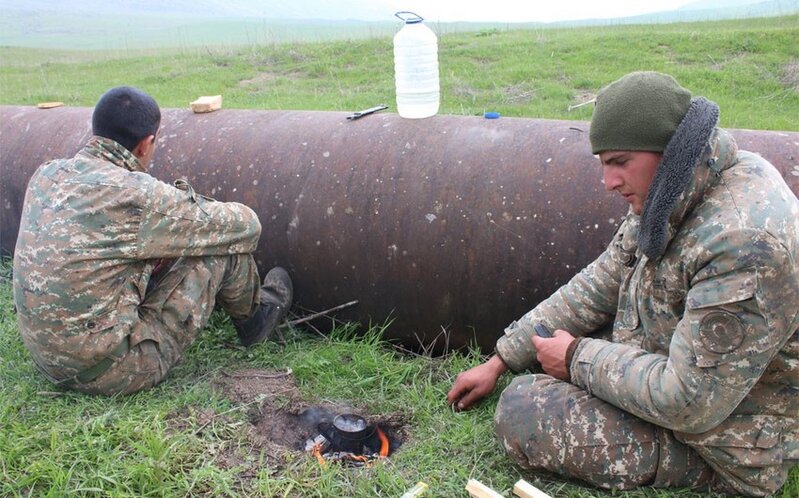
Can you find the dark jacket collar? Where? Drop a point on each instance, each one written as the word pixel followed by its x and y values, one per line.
pixel 679 183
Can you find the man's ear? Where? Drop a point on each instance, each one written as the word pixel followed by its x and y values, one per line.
pixel 145 147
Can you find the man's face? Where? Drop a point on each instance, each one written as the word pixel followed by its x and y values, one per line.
pixel 629 173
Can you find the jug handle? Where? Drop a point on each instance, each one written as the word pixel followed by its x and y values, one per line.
pixel 410 20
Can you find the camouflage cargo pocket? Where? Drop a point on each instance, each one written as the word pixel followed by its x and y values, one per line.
pixel 741 441
pixel 746 452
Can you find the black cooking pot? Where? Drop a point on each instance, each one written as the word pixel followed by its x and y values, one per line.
pixel 348 432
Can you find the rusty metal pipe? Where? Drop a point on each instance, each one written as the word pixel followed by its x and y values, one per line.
pixel 451 223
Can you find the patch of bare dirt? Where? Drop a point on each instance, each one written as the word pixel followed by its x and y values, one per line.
pixel 790 75
pixel 259 80
pixel 279 422
pixel 517 94
pixel 464 91
pixel 582 98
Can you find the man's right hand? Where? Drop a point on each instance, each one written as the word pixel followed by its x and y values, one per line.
pixel 476 383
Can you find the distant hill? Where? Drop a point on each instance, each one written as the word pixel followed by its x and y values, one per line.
pixel 339 10
pixel 725 4
pixel 127 24
pixel 190 9
pixel 740 9
pixel 702 10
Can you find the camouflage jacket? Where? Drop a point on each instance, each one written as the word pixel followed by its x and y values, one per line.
pixel 705 337
pixel 92 228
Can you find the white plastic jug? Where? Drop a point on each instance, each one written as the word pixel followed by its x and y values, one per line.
pixel 416 68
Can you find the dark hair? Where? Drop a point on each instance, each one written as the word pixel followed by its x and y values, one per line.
pixel 126 115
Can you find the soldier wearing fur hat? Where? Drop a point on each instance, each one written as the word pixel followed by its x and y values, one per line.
pixel 699 385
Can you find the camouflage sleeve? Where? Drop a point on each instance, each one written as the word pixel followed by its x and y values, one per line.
pixel 179 222
pixel 741 309
pixel 586 303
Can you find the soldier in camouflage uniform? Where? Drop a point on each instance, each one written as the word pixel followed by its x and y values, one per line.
pixel 699 386
pixel 115 272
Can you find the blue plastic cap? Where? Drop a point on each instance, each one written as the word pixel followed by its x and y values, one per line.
pixel 491 115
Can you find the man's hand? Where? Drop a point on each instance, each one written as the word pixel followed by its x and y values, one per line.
pixel 551 353
pixel 476 383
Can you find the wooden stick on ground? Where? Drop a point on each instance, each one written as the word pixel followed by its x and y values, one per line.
pixel 259 375
pixel 321 313
pixel 524 489
pixel 479 490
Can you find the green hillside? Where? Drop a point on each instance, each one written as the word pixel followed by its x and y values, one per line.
pixel 751 68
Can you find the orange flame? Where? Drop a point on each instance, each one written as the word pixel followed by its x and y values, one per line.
pixel 383 443
pixel 317 452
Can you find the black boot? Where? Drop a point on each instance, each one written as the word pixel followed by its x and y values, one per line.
pixel 276 295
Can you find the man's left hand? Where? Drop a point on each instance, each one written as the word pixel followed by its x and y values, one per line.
pixel 551 353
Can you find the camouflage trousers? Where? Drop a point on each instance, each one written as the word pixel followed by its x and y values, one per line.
pixel 174 311
pixel 547 424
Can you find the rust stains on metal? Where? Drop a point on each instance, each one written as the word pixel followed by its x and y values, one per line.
pixel 452 223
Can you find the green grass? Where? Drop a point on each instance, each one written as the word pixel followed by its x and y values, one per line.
pixel 70 444
pixel 59 443
pixel 750 68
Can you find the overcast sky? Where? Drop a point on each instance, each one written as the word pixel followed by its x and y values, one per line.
pixel 532 10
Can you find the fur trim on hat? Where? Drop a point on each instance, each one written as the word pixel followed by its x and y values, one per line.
pixel 683 152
